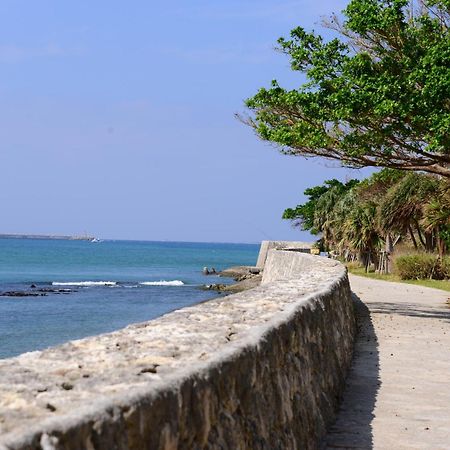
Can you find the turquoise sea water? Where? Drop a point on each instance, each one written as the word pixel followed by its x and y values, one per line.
pixel 112 284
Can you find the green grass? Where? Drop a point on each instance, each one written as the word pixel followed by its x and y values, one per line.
pixel 437 284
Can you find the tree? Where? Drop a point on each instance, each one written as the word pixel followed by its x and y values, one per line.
pixel 316 215
pixel 356 219
pixel 403 207
pixel 377 96
pixel 365 219
pixel 436 217
pixel 304 215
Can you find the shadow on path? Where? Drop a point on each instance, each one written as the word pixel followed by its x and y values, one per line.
pixel 411 310
pixel 353 426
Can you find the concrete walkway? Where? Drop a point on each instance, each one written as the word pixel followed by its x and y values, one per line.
pixel 398 389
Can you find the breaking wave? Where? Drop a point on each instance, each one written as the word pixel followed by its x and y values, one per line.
pixel 117 284
pixel 162 283
pixel 84 283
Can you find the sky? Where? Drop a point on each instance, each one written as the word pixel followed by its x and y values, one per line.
pixel 117 119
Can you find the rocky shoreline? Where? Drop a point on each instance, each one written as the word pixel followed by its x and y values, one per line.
pixel 245 277
pixel 35 292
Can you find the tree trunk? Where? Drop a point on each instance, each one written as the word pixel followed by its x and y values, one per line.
pixel 419 233
pixel 429 241
pixel 413 238
pixel 375 259
pixel 389 251
pixel 364 259
pixel 440 243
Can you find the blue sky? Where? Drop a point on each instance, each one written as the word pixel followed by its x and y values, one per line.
pixel 118 119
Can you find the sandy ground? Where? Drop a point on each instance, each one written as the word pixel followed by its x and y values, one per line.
pixel 398 389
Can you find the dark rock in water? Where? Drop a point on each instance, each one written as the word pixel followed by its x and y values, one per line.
pixel 57 291
pixel 42 292
pixel 214 287
pixel 22 294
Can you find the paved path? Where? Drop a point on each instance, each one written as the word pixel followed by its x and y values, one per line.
pixel 398 390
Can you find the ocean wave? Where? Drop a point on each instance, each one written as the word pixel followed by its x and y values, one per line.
pixel 162 283
pixel 84 283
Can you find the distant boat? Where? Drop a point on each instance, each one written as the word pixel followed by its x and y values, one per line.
pixel 95 240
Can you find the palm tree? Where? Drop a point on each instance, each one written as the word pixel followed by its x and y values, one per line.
pixel 436 216
pixel 403 208
pixel 355 219
pixel 325 218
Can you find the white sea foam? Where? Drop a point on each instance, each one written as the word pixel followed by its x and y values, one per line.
pixel 84 283
pixel 162 283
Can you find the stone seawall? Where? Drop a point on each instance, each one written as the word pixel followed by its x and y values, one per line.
pixel 267 246
pixel 262 369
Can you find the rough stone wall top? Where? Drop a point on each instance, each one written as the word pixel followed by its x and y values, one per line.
pixel 166 383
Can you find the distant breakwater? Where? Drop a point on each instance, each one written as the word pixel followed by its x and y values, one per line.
pixel 47 236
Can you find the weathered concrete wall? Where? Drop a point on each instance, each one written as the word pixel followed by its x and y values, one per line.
pixel 266 246
pixel 262 369
pixel 282 266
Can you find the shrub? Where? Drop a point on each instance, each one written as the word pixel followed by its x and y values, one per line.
pixel 420 266
pixel 446 267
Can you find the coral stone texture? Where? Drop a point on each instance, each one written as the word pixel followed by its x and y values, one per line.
pixel 262 369
pixel 398 389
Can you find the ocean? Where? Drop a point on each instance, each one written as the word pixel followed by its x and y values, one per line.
pixel 100 286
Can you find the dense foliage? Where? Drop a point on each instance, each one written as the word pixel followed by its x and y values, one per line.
pixel 365 220
pixel 377 96
pixel 304 215
pixel 421 266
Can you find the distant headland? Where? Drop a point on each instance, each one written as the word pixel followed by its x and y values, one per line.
pixel 47 236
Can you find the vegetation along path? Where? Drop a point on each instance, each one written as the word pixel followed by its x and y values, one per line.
pixel 398 389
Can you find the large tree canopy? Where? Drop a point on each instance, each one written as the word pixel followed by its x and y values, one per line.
pixel 377 96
